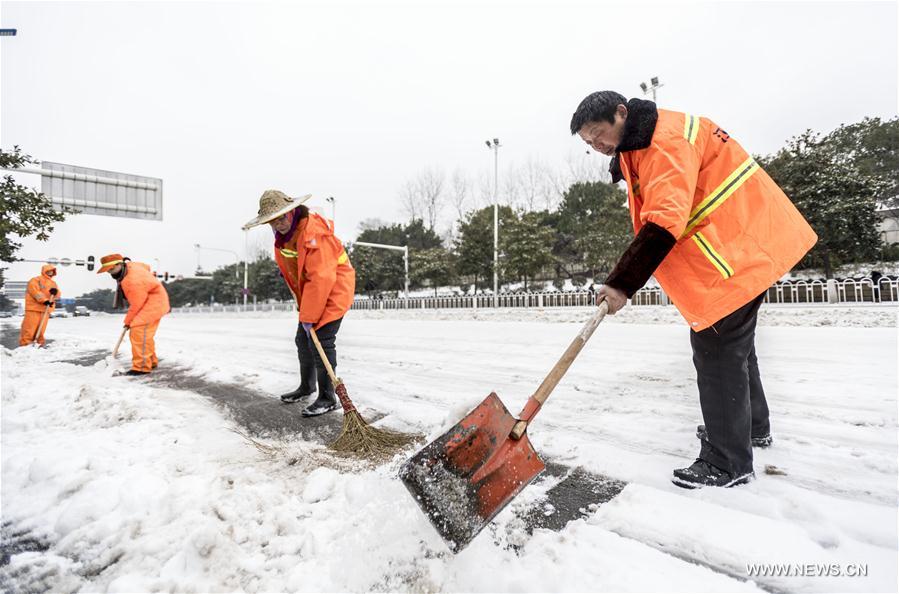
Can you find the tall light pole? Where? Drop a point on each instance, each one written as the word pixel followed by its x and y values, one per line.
pixel 237 261
pixel 494 146
pixel 333 208
pixel 654 84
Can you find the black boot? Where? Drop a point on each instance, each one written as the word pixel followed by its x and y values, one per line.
pixel 762 441
pixel 296 395
pixel 703 474
pixel 325 403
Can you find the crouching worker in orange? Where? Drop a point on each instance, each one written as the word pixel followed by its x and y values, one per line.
pixel 148 302
pixel 319 274
pixel 40 301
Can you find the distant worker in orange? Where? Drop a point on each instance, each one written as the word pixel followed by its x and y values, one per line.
pixel 319 274
pixel 148 302
pixel 40 301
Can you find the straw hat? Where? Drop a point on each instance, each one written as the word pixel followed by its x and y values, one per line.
pixel 273 204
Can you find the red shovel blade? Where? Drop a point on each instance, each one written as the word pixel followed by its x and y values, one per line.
pixel 466 476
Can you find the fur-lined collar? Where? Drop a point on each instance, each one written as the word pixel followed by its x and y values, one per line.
pixel 639 127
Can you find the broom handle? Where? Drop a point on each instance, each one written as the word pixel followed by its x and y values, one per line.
pixel 41 325
pixel 324 358
pixel 115 351
pixel 339 388
pixel 558 371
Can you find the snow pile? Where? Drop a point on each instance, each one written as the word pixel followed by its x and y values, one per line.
pixel 126 486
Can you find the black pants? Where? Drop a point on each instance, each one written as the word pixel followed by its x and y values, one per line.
pixel 311 366
pixel 730 389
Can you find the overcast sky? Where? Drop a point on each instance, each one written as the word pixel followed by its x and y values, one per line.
pixel 225 100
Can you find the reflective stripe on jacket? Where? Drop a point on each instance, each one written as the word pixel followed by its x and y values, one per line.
pixel 318 271
pixel 737 232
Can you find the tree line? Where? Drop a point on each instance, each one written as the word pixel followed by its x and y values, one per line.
pixel 568 224
pixel 837 180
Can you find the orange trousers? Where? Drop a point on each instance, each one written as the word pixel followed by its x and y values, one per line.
pixel 143 347
pixel 30 324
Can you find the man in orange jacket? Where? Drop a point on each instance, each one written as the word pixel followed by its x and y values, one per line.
pixel 319 274
pixel 148 301
pixel 716 232
pixel 40 301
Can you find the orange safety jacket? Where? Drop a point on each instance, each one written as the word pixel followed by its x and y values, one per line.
pixel 39 291
pixel 147 298
pixel 736 231
pixel 317 270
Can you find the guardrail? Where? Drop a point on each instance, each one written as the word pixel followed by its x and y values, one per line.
pixel 863 290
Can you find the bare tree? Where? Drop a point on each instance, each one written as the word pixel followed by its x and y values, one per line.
pixel 423 198
pixel 579 167
pixel 260 248
pixel 372 223
pixel 588 167
pixel 529 187
pixel 431 185
pixel 410 198
pixel 460 194
pixel 485 190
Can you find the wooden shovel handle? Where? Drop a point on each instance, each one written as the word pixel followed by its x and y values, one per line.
pixel 324 358
pixel 40 326
pixel 115 351
pixel 558 371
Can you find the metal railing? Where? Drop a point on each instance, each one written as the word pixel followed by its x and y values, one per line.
pixel 863 290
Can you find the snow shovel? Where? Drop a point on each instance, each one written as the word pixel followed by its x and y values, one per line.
pixel 469 474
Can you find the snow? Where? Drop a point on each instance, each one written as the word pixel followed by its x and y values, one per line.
pixel 852 270
pixel 131 486
pixel 862 315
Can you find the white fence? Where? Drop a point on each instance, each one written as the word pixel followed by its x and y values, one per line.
pixel 847 291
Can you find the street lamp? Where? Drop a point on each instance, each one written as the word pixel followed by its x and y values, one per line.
pixel 209 249
pixel 237 261
pixel 333 208
pixel 494 146
pixel 651 87
pixel 398 248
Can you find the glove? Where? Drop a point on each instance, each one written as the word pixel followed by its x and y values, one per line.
pixel 127 326
pixel 48 303
pixel 54 292
pixel 307 327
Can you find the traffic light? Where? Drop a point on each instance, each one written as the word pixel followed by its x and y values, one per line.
pixel 166 277
pixel 90 263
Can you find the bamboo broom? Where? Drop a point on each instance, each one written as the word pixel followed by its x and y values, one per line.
pixel 357 436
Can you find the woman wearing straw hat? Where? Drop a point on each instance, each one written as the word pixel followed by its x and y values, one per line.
pixel 319 274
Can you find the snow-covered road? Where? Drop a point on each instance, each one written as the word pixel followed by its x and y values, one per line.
pixel 134 487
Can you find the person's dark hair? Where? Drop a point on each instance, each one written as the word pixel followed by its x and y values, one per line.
pixel 597 107
pixel 302 211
